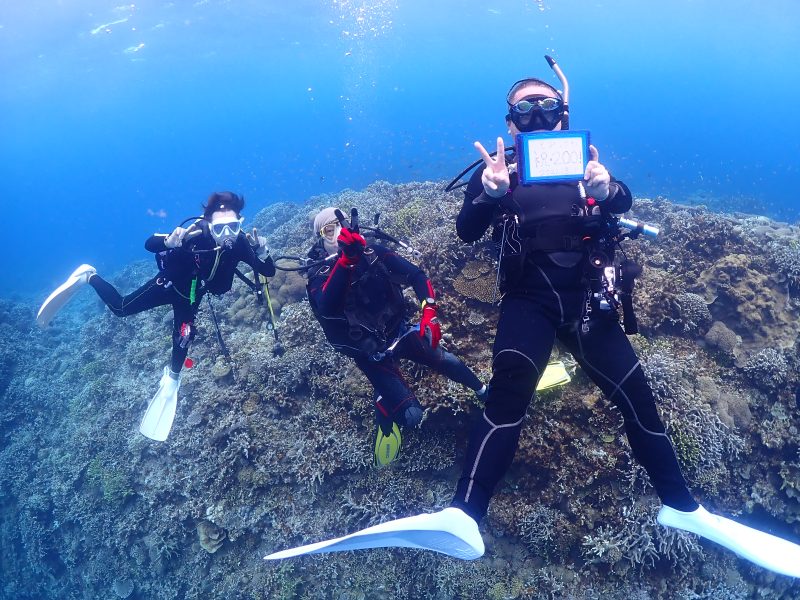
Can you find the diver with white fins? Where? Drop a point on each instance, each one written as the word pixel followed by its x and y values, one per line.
pixel 192 261
pixel 560 279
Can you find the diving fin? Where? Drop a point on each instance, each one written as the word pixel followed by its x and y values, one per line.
pixel 63 294
pixel 555 374
pixel 160 414
pixel 450 531
pixel 766 550
pixel 387 447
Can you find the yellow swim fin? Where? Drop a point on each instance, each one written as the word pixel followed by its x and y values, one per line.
pixel 387 447
pixel 554 375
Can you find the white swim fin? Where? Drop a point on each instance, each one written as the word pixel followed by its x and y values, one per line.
pixel 160 414
pixel 766 550
pixel 63 294
pixel 450 531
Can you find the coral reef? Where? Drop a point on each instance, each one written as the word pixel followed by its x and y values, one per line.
pixel 768 369
pixel 273 449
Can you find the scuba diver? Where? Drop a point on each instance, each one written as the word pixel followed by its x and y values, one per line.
pixel 192 261
pixel 558 280
pixel 358 300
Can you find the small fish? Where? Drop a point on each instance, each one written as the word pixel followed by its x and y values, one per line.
pixel 105 26
pixel 133 49
pixel 160 213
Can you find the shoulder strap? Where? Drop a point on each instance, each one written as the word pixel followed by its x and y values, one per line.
pixel 256 289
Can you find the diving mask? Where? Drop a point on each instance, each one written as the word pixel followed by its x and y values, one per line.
pixel 536 113
pixel 225 231
pixel 330 231
pixel 330 234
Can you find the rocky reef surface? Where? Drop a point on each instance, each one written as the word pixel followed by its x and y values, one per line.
pixel 277 451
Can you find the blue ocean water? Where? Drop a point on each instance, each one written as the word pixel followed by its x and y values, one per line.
pixel 117 120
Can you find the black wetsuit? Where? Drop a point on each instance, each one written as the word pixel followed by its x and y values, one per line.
pixel 545 280
pixel 196 265
pixel 363 312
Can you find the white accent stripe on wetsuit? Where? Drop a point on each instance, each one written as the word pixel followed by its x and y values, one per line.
pixel 618 388
pixel 123 303
pixel 496 427
pixel 483 445
pixel 553 289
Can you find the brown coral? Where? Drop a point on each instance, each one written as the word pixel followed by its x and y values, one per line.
pixel 477 281
pixel 750 302
pixel 211 536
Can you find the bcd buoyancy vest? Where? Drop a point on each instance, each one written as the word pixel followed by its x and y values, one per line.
pixel 555 220
pixel 374 308
pixel 552 217
pixel 375 302
pixel 182 268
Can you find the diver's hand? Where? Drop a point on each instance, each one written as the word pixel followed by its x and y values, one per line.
pixel 259 244
pixel 596 176
pixel 495 178
pixel 429 323
pixel 352 245
pixel 179 234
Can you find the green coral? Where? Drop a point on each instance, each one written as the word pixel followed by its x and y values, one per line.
pixel 507 590
pixel 407 220
pixel 280 583
pixel 114 483
pixel 687 446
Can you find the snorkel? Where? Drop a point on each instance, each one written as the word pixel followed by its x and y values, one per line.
pixel 565 93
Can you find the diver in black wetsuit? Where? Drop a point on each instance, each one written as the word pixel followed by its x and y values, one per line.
pixel 546 279
pixel 359 302
pixel 192 261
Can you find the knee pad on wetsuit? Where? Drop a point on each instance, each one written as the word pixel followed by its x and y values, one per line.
pixel 408 413
pixel 639 397
pixel 184 335
pixel 512 387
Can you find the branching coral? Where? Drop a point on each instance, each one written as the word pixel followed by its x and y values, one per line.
pixel 641 541
pixel 768 369
pixel 693 313
pixel 703 443
pixel 113 480
pixel 542 529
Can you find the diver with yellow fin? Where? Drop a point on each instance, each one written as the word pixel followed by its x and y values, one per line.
pixel 192 261
pixel 560 280
pixel 356 293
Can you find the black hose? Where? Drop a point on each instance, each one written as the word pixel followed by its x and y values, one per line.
pixel 225 352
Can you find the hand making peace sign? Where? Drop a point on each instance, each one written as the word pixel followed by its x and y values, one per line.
pixel 495 177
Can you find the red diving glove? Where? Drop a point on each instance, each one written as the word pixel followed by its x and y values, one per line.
pixel 352 244
pixel 429 322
